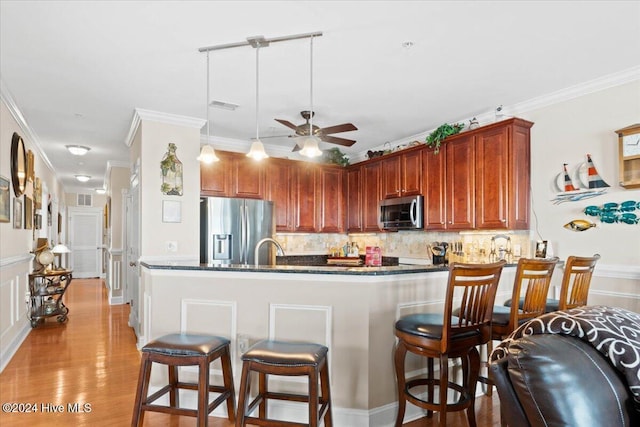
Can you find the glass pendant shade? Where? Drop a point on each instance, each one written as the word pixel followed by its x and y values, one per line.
pixel 207 154
pixel 257 150
pixel 310 147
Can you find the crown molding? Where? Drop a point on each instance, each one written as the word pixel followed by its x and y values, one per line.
pixel 156 116
pixel 16 113
pixel 605 82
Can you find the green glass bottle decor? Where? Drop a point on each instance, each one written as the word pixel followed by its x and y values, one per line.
pixel 171 169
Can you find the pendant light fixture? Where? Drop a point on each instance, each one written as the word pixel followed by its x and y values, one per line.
pixel 257 148
pixel 310 144
pixel 207 153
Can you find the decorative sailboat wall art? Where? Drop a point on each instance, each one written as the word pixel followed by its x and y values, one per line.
pixel 592 184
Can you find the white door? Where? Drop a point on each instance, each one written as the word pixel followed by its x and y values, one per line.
pixel 85 241
pixel 132 253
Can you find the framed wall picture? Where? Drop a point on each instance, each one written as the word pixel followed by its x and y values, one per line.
pixel 37 193
pixel 5 200
pixel 31 171
pixel 28 213
pixel 17 212
pixel 37 221
pixel 171 211
pixel 541 249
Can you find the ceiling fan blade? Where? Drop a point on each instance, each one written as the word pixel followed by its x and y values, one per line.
pixel 345 127
pixel 287 123
pixel 336 140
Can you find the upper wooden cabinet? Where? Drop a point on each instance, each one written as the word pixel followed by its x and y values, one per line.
pixel 503 155
pixel 486 179
pixel 479 180
pixel 460 183
pixel 433 184
pixel 332 202
pixel 402 174
pixel 305 197
pixel 353 197
pixel 371 179
pixel 235 175
pixel 215 178
pixel 278 189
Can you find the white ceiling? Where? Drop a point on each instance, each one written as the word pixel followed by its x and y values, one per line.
pixel 78 70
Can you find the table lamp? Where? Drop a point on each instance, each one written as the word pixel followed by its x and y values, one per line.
pixel 58 250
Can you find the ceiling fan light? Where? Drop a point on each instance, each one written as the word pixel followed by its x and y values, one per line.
pixel 257 151
pixel 207 155
pixel 310 148
pixel 83 178
pixel 78 150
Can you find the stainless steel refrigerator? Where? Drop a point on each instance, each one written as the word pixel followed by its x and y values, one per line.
pixel 231 228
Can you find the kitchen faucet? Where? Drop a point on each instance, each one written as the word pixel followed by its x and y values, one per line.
pixel 267 239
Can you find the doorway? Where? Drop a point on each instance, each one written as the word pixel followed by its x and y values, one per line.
pixel 85 242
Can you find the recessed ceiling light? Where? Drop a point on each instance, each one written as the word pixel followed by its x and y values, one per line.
pixel 78 150
pixel 83 178
pixel 100 190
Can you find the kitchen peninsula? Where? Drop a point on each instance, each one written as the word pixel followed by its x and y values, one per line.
pixel 351 310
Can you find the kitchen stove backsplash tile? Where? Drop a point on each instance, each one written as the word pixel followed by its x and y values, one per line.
pixel 406 244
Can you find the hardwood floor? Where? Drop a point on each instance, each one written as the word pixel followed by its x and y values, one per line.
pixel 84 372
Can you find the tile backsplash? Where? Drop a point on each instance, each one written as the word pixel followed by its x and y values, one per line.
pixel 408 244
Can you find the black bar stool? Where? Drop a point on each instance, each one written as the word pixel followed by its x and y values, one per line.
pixel 185 350
pixel 270 357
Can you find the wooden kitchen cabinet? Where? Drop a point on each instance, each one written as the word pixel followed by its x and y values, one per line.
pixel 332 203
pixel 247 178
pixel 305 197
pixel 215 178
pixel 433 184
pixel 235 175
pixel 353 196
pixel 503 176
pixel 402 174
pixel 371 195
pixel 278 189
pixel 486 179
pixel 460 183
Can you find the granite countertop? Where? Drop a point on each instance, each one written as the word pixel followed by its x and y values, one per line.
pixel 297 269
pixel 306 269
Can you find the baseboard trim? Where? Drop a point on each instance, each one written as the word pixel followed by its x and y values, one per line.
pixel 10 351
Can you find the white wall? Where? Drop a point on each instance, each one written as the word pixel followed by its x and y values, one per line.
pixel 155 137
pixel 16 244
pixel 565 133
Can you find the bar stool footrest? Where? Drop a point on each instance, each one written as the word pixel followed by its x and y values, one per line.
pixel 462 403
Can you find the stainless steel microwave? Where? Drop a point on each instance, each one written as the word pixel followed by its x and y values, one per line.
pixel 401 213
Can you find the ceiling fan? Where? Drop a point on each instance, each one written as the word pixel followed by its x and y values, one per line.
pixel 322 133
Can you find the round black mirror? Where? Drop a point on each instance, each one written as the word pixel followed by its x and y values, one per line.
pixel 18 165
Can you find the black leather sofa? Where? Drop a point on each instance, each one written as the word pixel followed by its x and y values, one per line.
pixel 578 367
pixel 560 380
